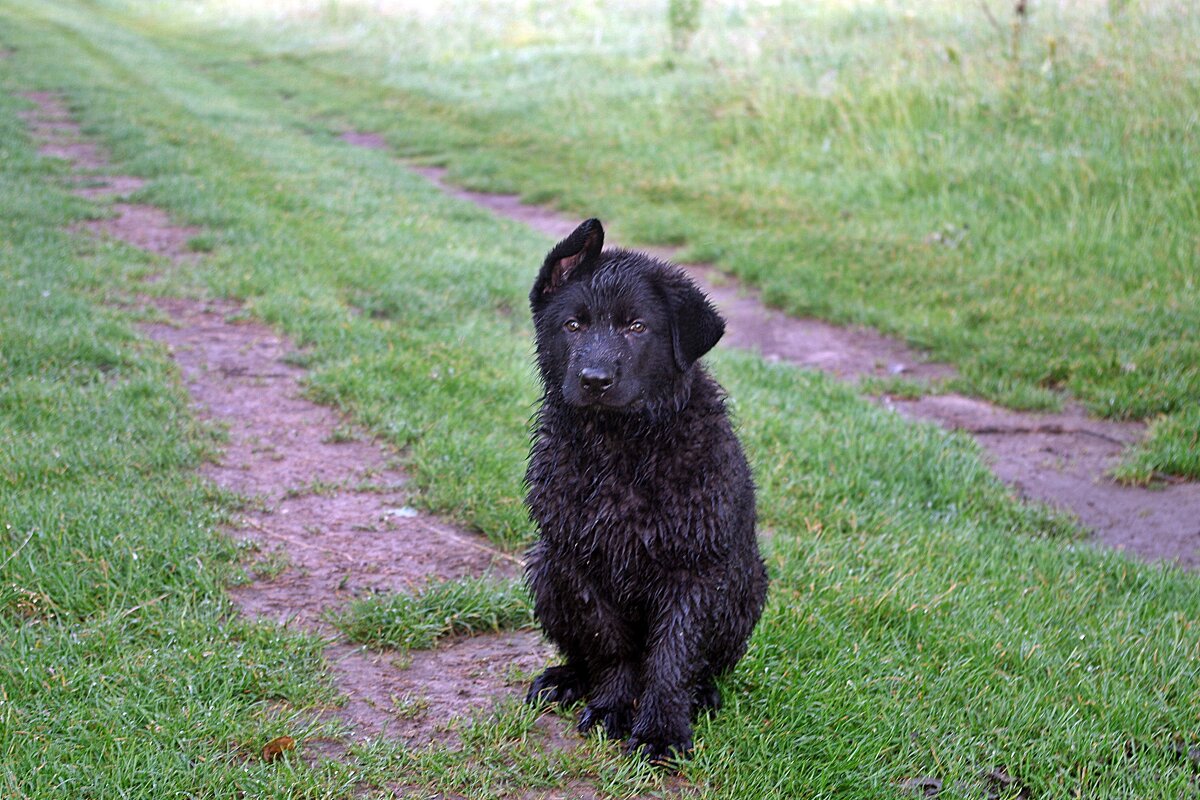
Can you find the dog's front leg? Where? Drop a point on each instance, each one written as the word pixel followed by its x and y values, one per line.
pixel 612 654
pixel 611 704
pixel 662 729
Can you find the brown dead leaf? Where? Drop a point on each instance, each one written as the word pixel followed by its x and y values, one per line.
pixel 276 747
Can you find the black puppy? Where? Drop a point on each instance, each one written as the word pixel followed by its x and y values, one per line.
pixel 647 574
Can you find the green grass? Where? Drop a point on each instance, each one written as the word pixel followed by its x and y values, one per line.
pixel 1172 447
pixel 122 671
pixel 438 610
pixel 1027 215
pixel 921 623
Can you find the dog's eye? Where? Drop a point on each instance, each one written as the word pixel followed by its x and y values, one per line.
pixel 637 326
pixel 573 325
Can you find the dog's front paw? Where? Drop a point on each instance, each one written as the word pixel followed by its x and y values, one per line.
pixel 561 685
pixel 660 748
pixel 706 698
pixel 615 721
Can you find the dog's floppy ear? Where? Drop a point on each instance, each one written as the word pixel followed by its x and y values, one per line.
pixel 568 256
pixel 695 324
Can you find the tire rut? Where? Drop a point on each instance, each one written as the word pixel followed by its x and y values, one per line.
pixel 327 508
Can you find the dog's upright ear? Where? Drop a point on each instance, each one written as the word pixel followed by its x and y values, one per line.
pixel 695 324
pixel 572 256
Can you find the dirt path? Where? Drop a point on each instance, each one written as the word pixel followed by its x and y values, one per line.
pixel 1062 459
pixel 330 517
pixel 327 510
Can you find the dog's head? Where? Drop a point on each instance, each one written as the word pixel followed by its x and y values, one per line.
pixel 616 329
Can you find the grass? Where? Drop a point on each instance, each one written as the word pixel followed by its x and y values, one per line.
pixel 921 623
pixel 1022 207
pixel 122 673
pixel 436 611
pixel 1171 448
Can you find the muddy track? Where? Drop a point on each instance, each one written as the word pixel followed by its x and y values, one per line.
pixel 1063 460
pixel 326 512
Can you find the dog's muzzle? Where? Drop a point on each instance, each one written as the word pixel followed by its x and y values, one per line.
pixel 595 381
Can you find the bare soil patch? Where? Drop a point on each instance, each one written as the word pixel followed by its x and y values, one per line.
pixel 330 502
pixel 370 141
pixel 1062 460
pixel 57 134
pixel 145 227
pixel 326 508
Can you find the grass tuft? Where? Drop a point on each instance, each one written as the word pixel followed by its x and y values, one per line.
pixel 1172 447
pixel 438 610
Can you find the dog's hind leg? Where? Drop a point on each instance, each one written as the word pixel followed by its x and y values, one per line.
pixel 600 646
pixel 552 589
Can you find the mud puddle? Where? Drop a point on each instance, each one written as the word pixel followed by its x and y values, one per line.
pixel 1062 460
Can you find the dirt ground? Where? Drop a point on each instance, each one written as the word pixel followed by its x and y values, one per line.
pixel 1062 460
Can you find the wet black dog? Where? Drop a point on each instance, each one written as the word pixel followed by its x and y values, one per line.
pixel 647 574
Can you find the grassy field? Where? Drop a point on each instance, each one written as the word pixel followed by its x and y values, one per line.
pixel 1016 195
pixel 122 672
pixel 921 625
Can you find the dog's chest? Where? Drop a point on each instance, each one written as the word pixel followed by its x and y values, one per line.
pixel 621 501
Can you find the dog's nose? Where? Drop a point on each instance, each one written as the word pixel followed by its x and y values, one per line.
pixel 596 380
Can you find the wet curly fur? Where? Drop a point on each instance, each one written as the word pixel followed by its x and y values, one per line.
pixel 646 573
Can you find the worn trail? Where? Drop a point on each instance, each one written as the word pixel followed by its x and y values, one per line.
pixel 328 513
pixel 1061 459
pixel 326 508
